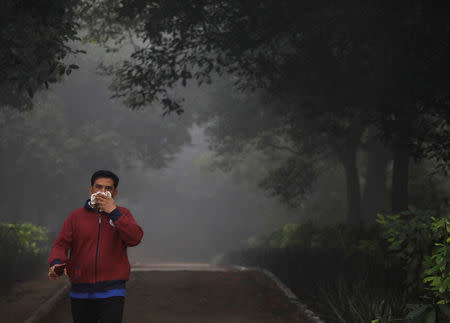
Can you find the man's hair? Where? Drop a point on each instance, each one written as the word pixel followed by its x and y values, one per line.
pixel 105 174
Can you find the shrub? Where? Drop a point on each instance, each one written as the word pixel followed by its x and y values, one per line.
pixel 22 250
pixel 422 242
pixel 438 271
pixel 351 301
pixel 308 235
pixel 322 263
pixel 410 239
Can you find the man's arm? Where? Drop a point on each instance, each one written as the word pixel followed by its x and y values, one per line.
pixel 61 246
pixel 129 231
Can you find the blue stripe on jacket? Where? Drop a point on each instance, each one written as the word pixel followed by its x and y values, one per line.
pixel 94 295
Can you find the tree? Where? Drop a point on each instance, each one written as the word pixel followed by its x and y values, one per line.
pixel 34 41
pixel 340 67
pixel 191 49
pixel 48 153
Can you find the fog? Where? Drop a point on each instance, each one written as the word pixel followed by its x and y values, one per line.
pixel 310 139
pixel 189 211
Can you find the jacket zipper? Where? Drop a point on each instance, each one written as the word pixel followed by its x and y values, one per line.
pixel 98 242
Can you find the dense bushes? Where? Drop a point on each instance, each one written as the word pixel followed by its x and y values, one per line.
pixel 421 242
pixel 23 248
pixel 384 272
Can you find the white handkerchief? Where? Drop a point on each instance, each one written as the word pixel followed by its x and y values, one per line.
pixel 107 194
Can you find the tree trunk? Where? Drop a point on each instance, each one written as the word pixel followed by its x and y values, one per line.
pixel 399 197
pixel 375 190
pixel 346 149
pixel 353 187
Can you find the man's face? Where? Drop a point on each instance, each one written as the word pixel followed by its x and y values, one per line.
pixel 102 185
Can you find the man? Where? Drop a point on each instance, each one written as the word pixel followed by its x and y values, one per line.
pixel 93 245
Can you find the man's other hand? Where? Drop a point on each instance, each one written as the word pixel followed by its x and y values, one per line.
pixel 52 274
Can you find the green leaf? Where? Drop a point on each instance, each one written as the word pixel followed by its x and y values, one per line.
pixel 429 278
pixel 446 282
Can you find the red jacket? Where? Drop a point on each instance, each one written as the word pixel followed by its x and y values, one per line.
pixel 98 245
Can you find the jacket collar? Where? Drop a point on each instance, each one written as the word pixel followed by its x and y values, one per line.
pixel 88 206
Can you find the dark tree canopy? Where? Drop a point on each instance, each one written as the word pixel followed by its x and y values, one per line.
pixel 381 62
pixel 337 70
pixel 35 38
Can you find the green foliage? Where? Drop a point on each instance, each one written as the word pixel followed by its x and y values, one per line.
pixel 23 249
pixel 410 239
pixel 291 235
pixel 33 47
pixel 438 270
pixel 352 239
pixel 27 237
pixel 422 242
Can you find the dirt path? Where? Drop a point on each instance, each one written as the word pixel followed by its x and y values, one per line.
pixel 200 295
pixel 26 297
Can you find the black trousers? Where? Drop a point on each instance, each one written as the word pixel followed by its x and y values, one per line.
pixel 103 310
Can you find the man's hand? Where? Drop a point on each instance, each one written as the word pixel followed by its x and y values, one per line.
pixel 52 275
pixel 104 203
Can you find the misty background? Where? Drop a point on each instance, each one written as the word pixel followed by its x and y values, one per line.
pixel 308 138
pixel 188 210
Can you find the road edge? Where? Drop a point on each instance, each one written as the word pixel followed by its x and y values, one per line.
pixel 310 315
pixel 44 309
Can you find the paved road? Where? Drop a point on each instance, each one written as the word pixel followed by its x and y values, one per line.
pixel 198 293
